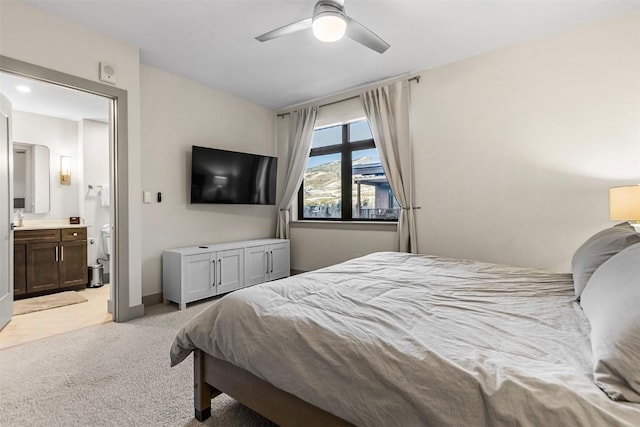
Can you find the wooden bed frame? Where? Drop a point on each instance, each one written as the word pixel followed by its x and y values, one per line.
pixel 213 376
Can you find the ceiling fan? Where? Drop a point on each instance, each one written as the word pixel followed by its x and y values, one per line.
pixel 329 24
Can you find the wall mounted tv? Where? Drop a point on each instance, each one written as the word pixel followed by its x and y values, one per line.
pixel 229 177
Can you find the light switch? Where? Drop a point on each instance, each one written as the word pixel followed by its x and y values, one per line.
pixel 147 197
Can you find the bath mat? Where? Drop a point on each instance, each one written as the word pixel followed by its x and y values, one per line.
pixel 47 302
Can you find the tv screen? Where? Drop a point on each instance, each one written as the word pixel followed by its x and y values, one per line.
pixel 220 176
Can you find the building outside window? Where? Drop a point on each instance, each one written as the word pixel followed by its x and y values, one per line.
pixel 344 179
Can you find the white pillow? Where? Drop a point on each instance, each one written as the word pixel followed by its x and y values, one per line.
pixel 611 302
pixel 597 249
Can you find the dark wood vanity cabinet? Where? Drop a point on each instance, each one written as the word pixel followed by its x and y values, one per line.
pixel 73 264
pixel 20 269
pixel 49 260
pixel 42 267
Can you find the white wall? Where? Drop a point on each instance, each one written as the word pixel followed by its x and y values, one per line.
pixel 38 37
pixel 42 178
pixel 95 145
pixel 176 114
pixel 61 137
pixel 515 150
pixel 312 248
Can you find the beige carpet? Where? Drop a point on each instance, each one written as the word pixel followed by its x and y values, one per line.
pixel 47 302
pixel 113 374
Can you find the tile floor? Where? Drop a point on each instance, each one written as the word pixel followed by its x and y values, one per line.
pixel 40 324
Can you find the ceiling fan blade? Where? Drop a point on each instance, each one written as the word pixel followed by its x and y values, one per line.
pixel 295 27
pixel 358 32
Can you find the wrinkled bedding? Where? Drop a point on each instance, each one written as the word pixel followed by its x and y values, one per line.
pixel 400 339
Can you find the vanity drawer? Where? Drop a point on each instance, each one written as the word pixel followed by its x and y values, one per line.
pixel 36 236
pixel 70 234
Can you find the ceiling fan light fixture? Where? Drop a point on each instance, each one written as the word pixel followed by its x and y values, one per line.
pixel 330 23
pixel 329 26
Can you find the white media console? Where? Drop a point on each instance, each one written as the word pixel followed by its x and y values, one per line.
pixel 197 272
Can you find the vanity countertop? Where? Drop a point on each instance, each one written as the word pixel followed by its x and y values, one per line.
pixel 46 226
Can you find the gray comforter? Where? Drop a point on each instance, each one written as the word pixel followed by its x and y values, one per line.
pixel 411 340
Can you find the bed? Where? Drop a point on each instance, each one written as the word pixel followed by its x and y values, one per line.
pixel 403 339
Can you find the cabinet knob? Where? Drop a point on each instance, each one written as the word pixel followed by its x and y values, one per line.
pixel 75 234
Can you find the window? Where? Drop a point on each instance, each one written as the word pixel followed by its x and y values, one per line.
pixel 344 179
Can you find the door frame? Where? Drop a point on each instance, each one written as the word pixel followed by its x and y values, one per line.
pixel 118 146
pixel 6 300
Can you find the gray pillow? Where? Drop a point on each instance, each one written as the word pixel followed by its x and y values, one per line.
pixel 611 302
pixel 597 249
pixel 626 226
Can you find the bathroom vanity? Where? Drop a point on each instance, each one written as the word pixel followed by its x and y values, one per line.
pixel 49 260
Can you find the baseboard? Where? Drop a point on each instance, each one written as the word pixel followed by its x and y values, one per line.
pixel 152 299
pixel 135 312
pixel 131 313
pixel 294 272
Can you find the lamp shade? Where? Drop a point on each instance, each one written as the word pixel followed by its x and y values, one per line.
pixel 624 203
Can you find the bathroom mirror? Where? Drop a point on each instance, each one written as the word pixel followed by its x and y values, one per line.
pixel 31 177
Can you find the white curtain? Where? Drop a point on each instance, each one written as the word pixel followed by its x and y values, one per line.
pixel 301 125
pixel 388 113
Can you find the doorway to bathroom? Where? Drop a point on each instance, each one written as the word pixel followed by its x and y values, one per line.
pixel 62 174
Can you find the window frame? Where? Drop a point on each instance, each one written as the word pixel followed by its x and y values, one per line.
pixel 346 149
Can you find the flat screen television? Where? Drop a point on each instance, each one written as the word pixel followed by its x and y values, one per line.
pixel 229 177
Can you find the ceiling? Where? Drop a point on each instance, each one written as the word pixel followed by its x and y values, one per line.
pixel 212 41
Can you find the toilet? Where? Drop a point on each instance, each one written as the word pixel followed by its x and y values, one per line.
pixel 106 240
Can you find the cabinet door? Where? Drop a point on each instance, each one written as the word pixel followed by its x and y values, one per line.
pixel 198 277
pixel 42 267
pixel 255 267
pixel 230 273
pixel 73 263
pixel 19 269
pixel 279 257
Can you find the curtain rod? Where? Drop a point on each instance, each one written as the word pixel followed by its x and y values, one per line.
pixel 416 78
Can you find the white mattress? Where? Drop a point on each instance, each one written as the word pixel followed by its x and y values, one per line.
pixel 400 339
